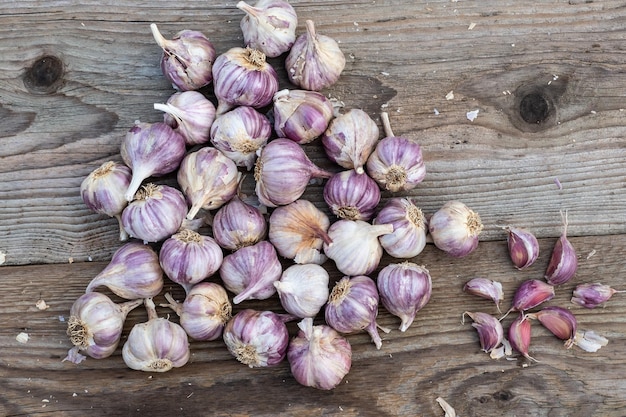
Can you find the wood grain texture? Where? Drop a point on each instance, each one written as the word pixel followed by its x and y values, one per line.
pixel 75 77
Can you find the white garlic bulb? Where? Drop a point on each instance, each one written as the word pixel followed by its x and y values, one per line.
pixel 303 289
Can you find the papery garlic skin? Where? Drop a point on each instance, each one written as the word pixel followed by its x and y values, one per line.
pixel 455 229
pixel 156 213
pixel 404 289
pixel 563 261
pixel 242 77
pixel 592 295
pixel 103 191
pixel 96 323
pixel 187 59
pixel 355 247
pixel 352 196
pixel 298 231
pixel 269 26
pixel 519 336
pixel 256 338
pixel 303 289
pixel 485 288
pixel 489 328
pixel 157 345
pixel 208 179
pixel 410 227
pixel 301 115
pixel 523 247
pixel 350 139
pixel 189 113
pixel 150 149
pixel 589 341
pixel 189 257
pixel 318 356
pixel 282 172
pixel 560 321
pixel 353 306
pixel 133 273
pixel 315 61
pixel 240 133
pixel 250 272
pixel 237 224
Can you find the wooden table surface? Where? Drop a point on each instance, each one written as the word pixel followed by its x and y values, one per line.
pixel 100 74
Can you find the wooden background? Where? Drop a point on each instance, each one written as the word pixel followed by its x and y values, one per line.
pixel 74 78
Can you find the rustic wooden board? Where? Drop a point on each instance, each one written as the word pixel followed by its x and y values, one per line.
pixel 59 122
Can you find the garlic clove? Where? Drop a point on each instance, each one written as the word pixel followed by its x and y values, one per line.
pixel 592 295
pixel 485 288
pixel 523 247
pixel 529 294
pixel 269 26
pixel 519 336
pixel 303 289
pixel 560 321
pixel 352 196
pixel 563 261
pixel 301 115
pixel 315 61
pixel 189 113
pixel 237 224
pixel 134 272
pixel 455 229
pixel 489 328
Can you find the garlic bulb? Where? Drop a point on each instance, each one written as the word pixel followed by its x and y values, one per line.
pixel 242 77
pixel 282 173
pixel 187 58
pixel 208 179
pixel 408 238
pixel 269 26
pixel 315 61
pixel 563 261
pixel 257 338
pixel 103 191
pixel 301 115
pixel 523 247
pixel 156 212
pixel 298 231
pixel 134 272
pixel 157 345
pixel 455 229
pixel 353 306
pixel 350 139
pixel 250 272
pixel 240 133
pixel 189 113
pixel 318 356
pixel 189 257
pixel 404 290
pixel 237 224
pixel 303 289
pixel 352 196
pixel 96 323
pixel 151 150
pixel 205 311
pixel 355 247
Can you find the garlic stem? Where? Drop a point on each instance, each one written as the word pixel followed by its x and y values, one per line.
pixel 123 232
pixel 150 308
pixel 139 174
pixel 160 40
pixel 373 332
pixel 173 304
pixel 171 110
pixel 252 11
pixel 386 124
pixel 310 28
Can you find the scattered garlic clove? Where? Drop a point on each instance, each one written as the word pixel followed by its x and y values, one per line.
pixel 563 261
pixel 298 231
pixel 519 336
pixel 237 224
pixel 282 172
pixel 269 26
pixel 96 323
pixel 150 149
pixel 396 163
pixel 303 289
pixel 257 338
pixel 489 328
pixel 188 257
pixel 315 61
pixel 157 212
pixel 208 179
pixel 523 247
pixel 350 139
pixel 455 229
pixel 134 272
pixel 103 191
pixel 157 345
pixel 354 246
pixel 352 196
pixel 486 288
pixel 187 59
pixel 529 294
pixel 240 133
pixel 560 321
pixel 592 295
pixel 250 272
pixel 242 77
pixel 318 356
pixel 404 289
pixel 189 113
pixel 410 227
pixel 301 115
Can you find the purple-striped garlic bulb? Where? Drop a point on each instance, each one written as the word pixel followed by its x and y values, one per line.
pixel 189 113
pixel 410 227
pixel 352 196
pixel 301 115
pixel 269 26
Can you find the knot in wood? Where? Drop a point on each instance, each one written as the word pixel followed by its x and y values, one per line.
pixel 45 75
